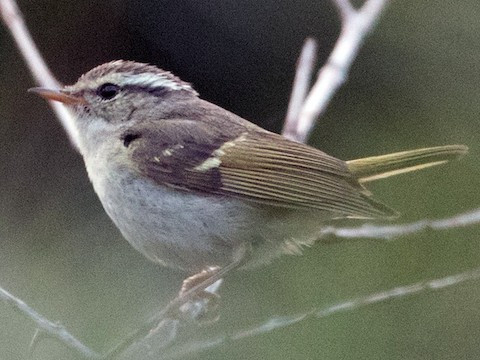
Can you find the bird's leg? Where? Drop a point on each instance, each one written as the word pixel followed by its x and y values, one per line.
pixel 198 293
pixel 197 279
pixel 204 301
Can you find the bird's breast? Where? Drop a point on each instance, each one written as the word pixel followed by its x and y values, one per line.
pixel 171 226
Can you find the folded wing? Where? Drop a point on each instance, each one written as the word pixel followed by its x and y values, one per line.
pixel 261 167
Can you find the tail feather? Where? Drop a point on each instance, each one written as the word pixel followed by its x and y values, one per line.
pixel 379 167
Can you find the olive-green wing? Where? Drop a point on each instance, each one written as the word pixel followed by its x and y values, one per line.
pixel 255 165
pixel 383 166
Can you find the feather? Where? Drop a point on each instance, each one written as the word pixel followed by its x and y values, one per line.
pixel 259 167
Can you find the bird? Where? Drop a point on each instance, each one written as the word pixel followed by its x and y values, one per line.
pixel 193 186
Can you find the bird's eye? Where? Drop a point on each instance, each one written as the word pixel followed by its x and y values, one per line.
pixel 108 91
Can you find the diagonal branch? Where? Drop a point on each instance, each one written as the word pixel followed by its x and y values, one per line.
pixel 301 84
pixel 13 20
pixel 304 109
pixel 280 322
pixel 54 330
pixel 356 24
pixel 345 9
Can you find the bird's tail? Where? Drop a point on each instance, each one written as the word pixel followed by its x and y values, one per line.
pixel 379 167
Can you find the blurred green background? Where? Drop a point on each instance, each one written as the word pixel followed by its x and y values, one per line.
pixel 415 83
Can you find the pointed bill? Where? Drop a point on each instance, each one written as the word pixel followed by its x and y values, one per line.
pixel 58 95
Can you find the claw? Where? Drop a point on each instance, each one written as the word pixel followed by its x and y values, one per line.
pixel 204 303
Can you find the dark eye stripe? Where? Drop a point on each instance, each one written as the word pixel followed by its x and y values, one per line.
pixel 157 90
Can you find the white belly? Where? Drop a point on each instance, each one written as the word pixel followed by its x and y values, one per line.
pixel 173 227
pixel 190 231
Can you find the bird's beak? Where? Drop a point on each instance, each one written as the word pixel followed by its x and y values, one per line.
pixel 58 95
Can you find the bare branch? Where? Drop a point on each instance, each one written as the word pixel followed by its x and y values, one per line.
pixel 303 111
pixel 345 8
pixel 356 24
pixel 13 20
pixel 155 340
pixel 371 11
pixel 54 330
pixel 162 321
pixel 279 322
pixel 301 84
pixel 388 232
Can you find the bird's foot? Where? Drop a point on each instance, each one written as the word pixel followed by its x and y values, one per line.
pixel 202 302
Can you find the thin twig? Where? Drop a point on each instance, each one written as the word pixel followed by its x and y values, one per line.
pixel 391 231
pixel 356 24
pixel 13 20
pixel 139 339
pixel 301 84
pixel 169 311
pixel 345 8
pixel 279 322
pixel 55 330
